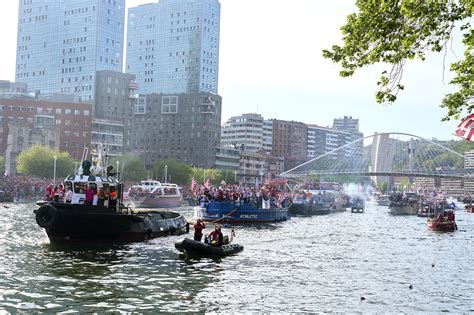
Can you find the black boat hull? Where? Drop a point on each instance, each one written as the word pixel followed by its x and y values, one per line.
pixel 196 248
pixel 83 223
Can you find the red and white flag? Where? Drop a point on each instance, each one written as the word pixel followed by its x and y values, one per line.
pixel 207 184
pixel 466 128
pixel 193 184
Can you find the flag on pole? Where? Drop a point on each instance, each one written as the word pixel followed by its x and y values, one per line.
pixel 193 184
pixel 465 128
pixel 207 184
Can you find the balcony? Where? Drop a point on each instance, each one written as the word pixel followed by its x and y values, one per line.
pixel 208 106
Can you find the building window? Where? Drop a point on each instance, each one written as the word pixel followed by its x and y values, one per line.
pixel 169 105
pixel 58 111
pixel 140 106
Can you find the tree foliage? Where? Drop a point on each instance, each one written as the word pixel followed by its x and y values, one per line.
pixel 132 165
pixel 39 161
pixel 215 176
pixel 178 173
pixel 394 31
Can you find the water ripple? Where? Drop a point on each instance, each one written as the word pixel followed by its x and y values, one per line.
pixel 307 264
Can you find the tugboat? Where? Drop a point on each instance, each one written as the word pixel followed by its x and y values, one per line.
pixel 94 210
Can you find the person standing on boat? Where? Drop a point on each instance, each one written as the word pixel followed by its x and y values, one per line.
pixel 68 196
pixel 101 195
pixel 89 195
pixel 198 227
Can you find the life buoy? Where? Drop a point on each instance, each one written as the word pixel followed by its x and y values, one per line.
pixel 47 216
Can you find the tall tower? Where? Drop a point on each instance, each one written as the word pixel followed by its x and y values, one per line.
pixel 173 46
pixel 62 43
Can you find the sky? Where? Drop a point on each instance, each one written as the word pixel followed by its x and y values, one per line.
pixel 271 63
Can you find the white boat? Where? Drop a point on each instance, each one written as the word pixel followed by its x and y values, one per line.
pixel 154 194
pixel 403 204
pixel 382 200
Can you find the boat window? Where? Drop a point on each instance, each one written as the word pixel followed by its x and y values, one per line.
pixel 68 185
pixel 104 179
pixel 91 178
pixel 79 187
pixel 71 177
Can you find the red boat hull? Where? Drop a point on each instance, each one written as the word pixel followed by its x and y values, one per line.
pixel 449 226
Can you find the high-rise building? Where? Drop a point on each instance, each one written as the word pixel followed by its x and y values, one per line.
pixel 173 46
pixel 347 123
pixel 115 96
pixel 351 125
pixel 322 140
pixel 267 138
pixel 184 127
pixel 61 44
pixel 244 132
pixel 290 140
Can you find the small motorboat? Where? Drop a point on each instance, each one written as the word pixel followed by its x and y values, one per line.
pixel 196 248
pixel 443 222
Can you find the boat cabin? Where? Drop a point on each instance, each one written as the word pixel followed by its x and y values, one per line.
pixel 155 187
pixel 78 183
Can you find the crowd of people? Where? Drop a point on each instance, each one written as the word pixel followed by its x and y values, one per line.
pixel 24 188
pixel 260 195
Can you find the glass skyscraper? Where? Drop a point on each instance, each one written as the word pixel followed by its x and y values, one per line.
pixel 62 43
pixel 173 46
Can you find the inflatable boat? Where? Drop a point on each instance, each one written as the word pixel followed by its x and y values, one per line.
pixel 196 248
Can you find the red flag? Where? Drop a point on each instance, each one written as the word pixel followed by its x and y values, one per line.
pixel 465 128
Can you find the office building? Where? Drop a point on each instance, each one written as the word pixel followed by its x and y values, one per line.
pixel 183 127
pixel 243 132
pixel 290 140
pixel 73 120
pixel 115 96
pixel 13 89
pixel 173 46
pixel 322 140
pixel 61 44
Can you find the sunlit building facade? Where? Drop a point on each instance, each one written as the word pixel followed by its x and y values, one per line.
pixel 173 46
pixel 61 44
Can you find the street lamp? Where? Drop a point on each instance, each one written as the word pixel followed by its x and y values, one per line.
pixel 117 171
pixel 54 171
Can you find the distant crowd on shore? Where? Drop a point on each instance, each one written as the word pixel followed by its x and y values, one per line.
pixel 27 188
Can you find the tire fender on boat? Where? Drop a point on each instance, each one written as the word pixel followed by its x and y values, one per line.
pixel 47 216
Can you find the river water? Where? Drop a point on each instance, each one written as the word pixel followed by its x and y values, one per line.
pixel 341 262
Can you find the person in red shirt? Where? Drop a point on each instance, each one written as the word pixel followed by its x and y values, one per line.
pixel 216 236
pixel 89 195
pixel 198 227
